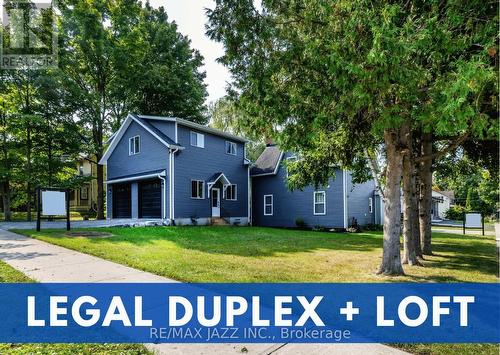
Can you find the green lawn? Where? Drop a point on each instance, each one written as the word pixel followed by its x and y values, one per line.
pixel 252 254
pixel 9 274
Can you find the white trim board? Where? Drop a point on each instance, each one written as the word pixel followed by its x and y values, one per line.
pixel 137 177
pixel 121 131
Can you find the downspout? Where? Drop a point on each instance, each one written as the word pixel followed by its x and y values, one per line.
pixel 249 196
pixel 164 179
pixel 344 186
pixel 171 185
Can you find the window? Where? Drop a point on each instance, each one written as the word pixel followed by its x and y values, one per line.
pixel 84 193
pixel 230 191
pixel 319 202
pixel 268 205
pixel 197 189
pixel 370 204
pixel 134 145
pixel 230 148
pixel 197 140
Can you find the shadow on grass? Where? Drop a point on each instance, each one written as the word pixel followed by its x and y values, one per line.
pixel 469 254
pixel 239 241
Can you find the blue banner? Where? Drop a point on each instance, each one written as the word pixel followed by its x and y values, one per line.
pixel 236 313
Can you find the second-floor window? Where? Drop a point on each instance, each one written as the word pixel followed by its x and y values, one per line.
pixel 230 148
pixel 231 191
pixel 134 145
pixel 197 189
pixel 197 140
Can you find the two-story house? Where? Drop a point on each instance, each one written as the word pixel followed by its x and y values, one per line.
pixel 84 198
pixel 176 170
pixel 336 205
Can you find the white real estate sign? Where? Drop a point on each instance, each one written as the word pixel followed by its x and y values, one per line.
pixel 53 203
pixel 473 220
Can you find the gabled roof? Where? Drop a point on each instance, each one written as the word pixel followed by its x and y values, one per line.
pixel 448 193
pixel 163 138
pixel 155 130
pixel 268 162
pixel 196 126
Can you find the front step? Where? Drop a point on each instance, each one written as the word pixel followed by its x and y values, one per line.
pixel 217 221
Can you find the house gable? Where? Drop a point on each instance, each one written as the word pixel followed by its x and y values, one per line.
pixel 148 127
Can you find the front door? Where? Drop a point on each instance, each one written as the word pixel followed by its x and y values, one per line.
pixel 215 202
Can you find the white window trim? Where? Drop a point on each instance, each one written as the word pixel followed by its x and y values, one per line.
pixel 130 144
pixel 235 193
pixel 231 144
pixel 370 204
pixel 314 203
pixel 203 189
pixel 197 141
pixel 272 205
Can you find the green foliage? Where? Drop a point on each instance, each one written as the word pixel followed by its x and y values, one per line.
pixel 300 223
pixel 228 117
pixel 327 78
pixel 475 186
pixel 114 57
pixel 456 212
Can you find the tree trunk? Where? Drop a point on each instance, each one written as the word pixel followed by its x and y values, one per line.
pixel 391 258
pixel 7 166
pixel 409 254
pixel 28 172
pixel 100 190
pixel 425 198
pixel 7 213
pixel 415 213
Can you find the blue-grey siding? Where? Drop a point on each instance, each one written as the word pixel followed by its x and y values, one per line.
pixel 358 196
pixel 152 158
pixel 200 164
pixel 153 155
pixel 292 205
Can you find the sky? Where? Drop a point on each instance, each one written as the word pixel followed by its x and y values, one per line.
pixel 190 18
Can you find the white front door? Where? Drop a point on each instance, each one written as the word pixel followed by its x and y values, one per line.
pixel 215 202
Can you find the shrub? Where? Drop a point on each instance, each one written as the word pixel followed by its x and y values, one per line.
pixel 372 227
pixel 456 213
pixel 299 222
pixel 319 228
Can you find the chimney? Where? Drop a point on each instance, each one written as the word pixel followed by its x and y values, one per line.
pixel 269 142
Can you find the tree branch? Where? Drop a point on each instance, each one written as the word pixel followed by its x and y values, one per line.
pixel 372 162
pixel 452 146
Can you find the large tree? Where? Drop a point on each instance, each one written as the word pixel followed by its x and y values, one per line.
pixel 337 78
pixel 118 57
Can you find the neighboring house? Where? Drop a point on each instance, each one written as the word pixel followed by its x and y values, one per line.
pixel 441 203
pixel 84 199
pixel 335 205
pixel 177 170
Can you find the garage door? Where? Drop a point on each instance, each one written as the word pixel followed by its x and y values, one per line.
pixel 150 199
pixel 122 204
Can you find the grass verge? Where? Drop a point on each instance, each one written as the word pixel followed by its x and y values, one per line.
pixel 9 274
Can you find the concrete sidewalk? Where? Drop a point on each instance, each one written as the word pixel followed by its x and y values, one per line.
pixel 45 262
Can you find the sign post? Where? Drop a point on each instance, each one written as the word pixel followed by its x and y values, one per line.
pixel 473 220
pixel 52 202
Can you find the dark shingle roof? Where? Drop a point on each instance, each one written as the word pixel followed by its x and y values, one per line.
pixel 267 161
pixel 155 130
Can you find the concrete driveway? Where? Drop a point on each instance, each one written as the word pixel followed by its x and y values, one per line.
pixel 61 224
pixel 46 262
